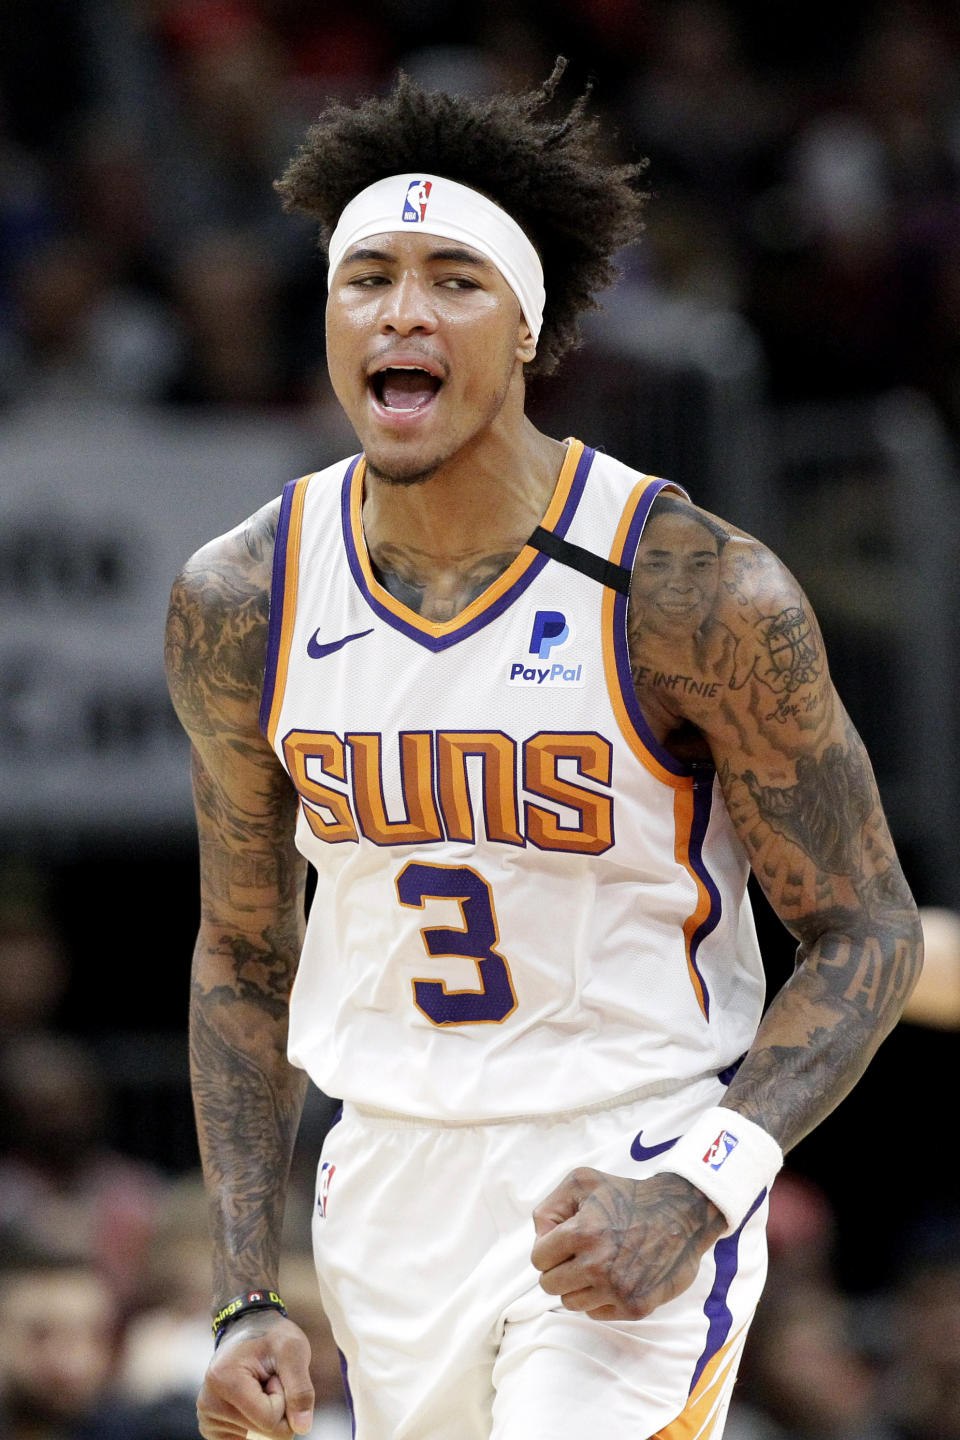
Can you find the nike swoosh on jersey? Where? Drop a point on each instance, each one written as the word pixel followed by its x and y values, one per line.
pixel 316 651
pixel 639 1151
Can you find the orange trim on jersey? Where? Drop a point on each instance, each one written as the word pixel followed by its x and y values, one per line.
pixel 611 671
pixel 703 1411
pixel 681 784
pixel 495 590
pixel 290 575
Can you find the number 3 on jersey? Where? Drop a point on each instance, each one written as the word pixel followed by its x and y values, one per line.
pixel 496 998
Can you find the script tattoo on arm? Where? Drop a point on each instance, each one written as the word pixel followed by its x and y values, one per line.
pixel 724 646
pixel 247 1098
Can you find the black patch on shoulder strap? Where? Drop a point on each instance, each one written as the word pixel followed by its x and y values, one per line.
pixel 615 577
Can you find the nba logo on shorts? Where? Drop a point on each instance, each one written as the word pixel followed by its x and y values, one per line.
pixel 721 1148
pixel 326 1175
pixel 415 201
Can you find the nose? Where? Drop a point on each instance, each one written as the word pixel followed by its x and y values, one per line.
pixel 676 577
pixel 407 307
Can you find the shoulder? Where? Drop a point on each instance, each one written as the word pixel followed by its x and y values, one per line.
pixel 217 623
pixel 241 559
pixel 714 612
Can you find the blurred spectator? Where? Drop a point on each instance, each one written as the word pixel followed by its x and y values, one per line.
pixel 804 1374
pixel 58 1329
pixel 924 1377
pixel 800 1232
pixel 76 334
pixel 842 291
pixel 33 965
pixel 62 1188
pixel 111 204
pixel 221 129
pixel 224 286
pixel 707 121
pixel 167 1342
pixel 27 216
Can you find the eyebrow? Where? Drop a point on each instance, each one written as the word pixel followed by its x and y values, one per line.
pixel 455 253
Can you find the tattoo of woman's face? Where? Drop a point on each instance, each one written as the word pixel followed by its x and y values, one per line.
pixel 677 574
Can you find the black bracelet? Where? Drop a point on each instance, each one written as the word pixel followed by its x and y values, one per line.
pixel 242 1305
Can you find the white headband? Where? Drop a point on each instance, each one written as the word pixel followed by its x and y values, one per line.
pixel 450 211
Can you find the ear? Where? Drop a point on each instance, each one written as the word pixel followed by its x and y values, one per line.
pixel 526 345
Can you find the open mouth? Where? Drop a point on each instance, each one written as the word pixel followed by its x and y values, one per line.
pixel 404 387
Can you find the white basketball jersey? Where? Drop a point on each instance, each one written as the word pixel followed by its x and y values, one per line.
pixel 524 903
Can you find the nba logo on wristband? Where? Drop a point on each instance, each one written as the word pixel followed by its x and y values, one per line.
pixel 720 1150
pixel 701 1155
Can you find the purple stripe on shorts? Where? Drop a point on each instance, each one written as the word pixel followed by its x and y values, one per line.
pixel 346 1391
pixel 726 1255
pixel 726 1075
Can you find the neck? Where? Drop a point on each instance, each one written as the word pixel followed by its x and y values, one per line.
pixel 437 544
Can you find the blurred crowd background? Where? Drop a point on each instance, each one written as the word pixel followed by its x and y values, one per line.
pixel 786 343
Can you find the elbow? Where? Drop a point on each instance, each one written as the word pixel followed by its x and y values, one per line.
pixel 912 945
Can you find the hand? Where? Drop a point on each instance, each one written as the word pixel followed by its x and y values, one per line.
pixel 618 1248
pixel 258 1381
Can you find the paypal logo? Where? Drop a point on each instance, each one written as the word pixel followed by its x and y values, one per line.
pixel 550 629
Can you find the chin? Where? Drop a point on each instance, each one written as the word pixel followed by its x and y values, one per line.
pixel 399 475
pixel 402 464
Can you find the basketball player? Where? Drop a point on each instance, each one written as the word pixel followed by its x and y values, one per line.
pixel 532 792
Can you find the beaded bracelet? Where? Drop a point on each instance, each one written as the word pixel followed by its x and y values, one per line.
pixel 242 1305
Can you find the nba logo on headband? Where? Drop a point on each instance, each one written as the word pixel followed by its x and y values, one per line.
pixel 415 201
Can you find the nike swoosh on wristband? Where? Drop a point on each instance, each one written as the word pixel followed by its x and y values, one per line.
pixel 316 651
pixel 639 1151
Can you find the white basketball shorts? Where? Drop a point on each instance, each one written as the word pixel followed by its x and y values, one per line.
pixel 422 1238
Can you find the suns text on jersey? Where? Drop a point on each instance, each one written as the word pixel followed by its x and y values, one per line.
pixel 443 779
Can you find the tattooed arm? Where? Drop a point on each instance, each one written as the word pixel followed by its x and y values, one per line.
pixel 247 1097
pixel 728 664
pixel 802 797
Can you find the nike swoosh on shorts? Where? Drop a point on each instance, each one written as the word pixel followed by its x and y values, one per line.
pixel 639 1151
pixel 316 651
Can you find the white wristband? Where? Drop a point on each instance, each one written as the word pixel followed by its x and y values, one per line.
pixel 729 1158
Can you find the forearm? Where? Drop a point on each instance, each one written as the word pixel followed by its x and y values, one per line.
pixel 822 1029
pixel 247 1101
